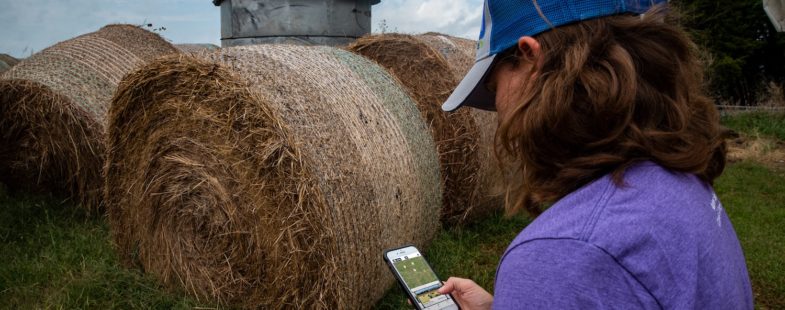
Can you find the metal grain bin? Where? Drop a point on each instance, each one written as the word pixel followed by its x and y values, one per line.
pixel 321 22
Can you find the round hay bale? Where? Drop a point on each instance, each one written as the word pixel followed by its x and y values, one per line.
pixel 142 43
pixel 460 55
pixel 430 79
pixel 6 62
pixel 269 176
pixel 458 52
pixel 196 47
pixel 8 59
pixel 53 107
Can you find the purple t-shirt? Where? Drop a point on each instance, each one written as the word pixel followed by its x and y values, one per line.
pixel 660 241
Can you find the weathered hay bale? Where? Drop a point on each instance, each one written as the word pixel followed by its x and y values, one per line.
pixel 53 107
pixel 142 43
pixel 6 62
pixel 8 59
pixel 428 77
pixel 460 54
pixel 269 176
pixel 196 47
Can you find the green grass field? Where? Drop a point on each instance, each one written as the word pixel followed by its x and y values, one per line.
pixel 55 256
pixel 757 123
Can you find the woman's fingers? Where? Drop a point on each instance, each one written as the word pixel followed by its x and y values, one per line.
pixel 456 284
pixel 467 294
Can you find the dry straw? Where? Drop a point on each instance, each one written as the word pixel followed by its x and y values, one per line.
pixel 463 138
pixel 460 55
pixel 53 107
pixel 196 47
pixel 458 52
pixel 6 62
pixel 269 176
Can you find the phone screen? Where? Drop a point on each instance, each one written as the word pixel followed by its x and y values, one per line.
pixel 419 279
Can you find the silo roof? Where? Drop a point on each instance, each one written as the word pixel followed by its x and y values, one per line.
pixel 218 2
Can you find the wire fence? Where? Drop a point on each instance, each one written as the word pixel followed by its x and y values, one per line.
pixel 735 109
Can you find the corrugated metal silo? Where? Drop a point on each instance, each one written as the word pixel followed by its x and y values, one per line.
pixel 322 22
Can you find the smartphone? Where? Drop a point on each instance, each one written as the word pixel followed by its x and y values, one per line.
pixel 417 279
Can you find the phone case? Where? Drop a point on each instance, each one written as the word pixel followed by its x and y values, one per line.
pixel 400 281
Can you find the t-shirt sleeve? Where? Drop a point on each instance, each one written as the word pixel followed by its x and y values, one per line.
pixel 565 274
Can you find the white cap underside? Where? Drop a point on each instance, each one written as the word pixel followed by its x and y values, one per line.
pixel 468 84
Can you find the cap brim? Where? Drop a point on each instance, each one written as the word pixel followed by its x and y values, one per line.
pixel 472 91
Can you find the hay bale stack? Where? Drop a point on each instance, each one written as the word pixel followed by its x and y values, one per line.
pixel 269 176
pixel 6 62
pixel 460 55
pixel 196 47
pixel 53 106
pixel 430 79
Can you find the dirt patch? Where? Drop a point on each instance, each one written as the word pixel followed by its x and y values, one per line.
pixel 767 151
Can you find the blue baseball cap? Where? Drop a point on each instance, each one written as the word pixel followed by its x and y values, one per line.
pixel 505 21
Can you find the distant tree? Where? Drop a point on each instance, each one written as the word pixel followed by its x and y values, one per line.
pixel 149 26
pixel 745 49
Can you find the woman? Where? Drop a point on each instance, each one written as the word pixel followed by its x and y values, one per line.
pixel 600 104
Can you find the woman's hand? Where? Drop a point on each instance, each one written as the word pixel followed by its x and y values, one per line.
pixel 468 294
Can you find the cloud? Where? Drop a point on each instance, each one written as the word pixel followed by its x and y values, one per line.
pixel 27 26
pixel 454 17
pixel 32 25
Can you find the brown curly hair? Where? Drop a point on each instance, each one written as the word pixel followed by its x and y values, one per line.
pixel 609 93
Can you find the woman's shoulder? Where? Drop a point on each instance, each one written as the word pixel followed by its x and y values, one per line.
pixel 661 227
pixel 648 193
pixel 566 274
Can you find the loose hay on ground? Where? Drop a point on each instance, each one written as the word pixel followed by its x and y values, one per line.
pixel 269 176
pixel 464 138
pixel 53 106
pixel 767 151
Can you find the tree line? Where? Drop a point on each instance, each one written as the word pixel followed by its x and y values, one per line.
pixel 744 54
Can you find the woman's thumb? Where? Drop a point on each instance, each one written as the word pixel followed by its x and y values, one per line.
pixel 448 286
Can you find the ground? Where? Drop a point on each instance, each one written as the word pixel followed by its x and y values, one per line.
pixel 767 151
pixel 55 256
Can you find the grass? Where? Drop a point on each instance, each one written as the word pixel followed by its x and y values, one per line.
pixel 470 252
pixel 55 256
pixel 754 198
pixel 757 123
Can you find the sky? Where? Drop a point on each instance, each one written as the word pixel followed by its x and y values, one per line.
pixel 31 25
